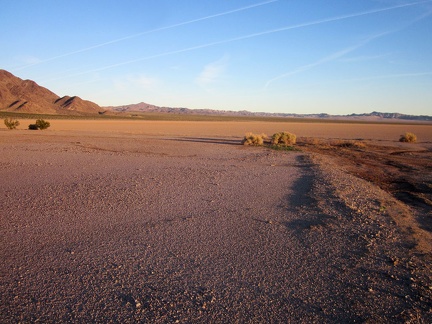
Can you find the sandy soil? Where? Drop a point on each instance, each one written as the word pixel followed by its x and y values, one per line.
pixel 381 132
pixel 176 222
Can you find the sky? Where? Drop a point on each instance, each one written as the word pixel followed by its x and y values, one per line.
pixel 281 56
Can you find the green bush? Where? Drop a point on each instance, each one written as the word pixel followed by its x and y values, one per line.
pixel 254 139
pixel 11 123
pixel 42 124
pixel 283 138
pixel 408 137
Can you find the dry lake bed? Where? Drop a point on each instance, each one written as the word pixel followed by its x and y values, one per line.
pixel 174 221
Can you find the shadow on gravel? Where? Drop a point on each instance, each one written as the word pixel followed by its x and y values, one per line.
pixel 303 201
pixel 208 140
pixel 127 300
pixel 416 195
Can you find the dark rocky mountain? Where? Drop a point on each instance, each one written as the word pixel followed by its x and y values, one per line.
pixel 26 96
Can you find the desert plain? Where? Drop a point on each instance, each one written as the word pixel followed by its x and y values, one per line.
pixel 126 221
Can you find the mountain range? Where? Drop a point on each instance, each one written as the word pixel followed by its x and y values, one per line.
pixel 143 107
pixel 26 96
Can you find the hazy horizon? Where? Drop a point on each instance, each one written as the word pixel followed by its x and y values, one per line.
pixel 262 56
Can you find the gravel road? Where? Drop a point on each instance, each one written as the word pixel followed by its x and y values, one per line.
pixel 128 228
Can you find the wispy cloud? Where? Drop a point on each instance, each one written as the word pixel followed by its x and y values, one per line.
pixel 329 58
pixel 29 60
pixel 249 36
pixel 136 82
pixel 118 40
pixel 212 71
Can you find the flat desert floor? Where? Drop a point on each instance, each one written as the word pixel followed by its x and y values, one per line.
pixel 165 222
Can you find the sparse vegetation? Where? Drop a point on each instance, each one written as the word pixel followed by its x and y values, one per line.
pixel 283 148
pixel 332 143
pixel 42 124
pixel 254 139
pixel 408 138
pixel 310 141
pixel 382 209
pixel 11 123
pixel 284 139
pixel 348 144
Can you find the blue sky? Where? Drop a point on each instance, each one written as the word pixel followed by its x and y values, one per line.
pixel 300 56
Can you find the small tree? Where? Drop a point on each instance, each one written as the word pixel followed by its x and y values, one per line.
pixel 42 124
pixel 11 123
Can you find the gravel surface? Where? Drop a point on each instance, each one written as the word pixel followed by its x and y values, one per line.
pixel 128 228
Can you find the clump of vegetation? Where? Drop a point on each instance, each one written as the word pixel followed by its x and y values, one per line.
pixel 40 124
pixel 408 138
pixel 254 139
pixel 11 123
pixel 283 138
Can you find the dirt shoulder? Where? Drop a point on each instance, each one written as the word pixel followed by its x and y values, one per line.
pixel 400 169
pixel 388 182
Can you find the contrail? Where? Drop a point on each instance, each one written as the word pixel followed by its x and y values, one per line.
pixel 389 76
pixel 148 32
pixel 272 31
pixel 347 50
pixel 326 59
pixel 327 20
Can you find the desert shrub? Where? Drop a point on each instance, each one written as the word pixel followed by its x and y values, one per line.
pixel 33 127
pixel 42 124
pixel 408 137
pixel 283 138
pixel 11 123
pixel 254 139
